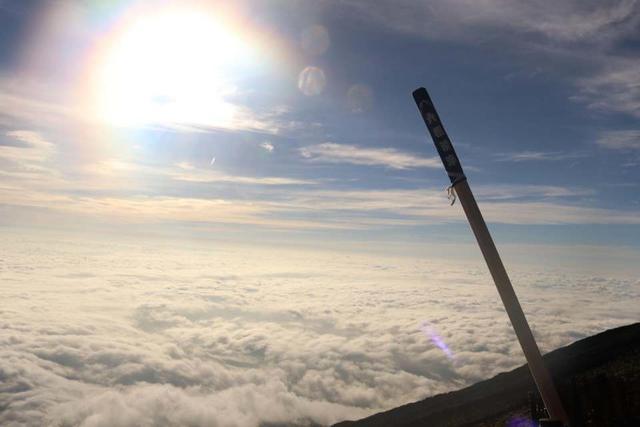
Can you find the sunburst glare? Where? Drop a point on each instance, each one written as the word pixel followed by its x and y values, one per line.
pixel 171 66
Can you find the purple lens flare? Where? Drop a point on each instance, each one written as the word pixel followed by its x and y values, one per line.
pixel 521 422
pixel 436 339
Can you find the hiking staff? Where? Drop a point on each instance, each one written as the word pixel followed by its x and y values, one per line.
pixel 460 187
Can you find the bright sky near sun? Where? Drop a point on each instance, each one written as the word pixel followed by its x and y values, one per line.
pixel 294 122
pixel 162 69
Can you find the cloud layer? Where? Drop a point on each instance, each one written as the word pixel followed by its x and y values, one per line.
pixel 106 333
pixel 182 192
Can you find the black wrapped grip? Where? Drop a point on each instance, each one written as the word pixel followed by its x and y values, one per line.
pixel 439 135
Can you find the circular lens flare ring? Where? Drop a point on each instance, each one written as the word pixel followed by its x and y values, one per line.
pixel 311 81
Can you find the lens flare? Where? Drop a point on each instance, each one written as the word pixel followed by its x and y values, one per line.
pixel 436 339
pixel 312 81
pixel 521 422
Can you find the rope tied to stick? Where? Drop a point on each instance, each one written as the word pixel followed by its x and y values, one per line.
pixel 451 194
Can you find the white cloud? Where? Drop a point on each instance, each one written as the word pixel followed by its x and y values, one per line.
pixel 620 140
pixel 27 158
pixel 33 149
pixel 554 213
pixel 529 156
pixel 519 192
pixel 111 333
pixel 352 154
pixel 186 172
pixel 616 87
pixel 268 146
pixel 204 176
pixel 185 166
pixel 22 100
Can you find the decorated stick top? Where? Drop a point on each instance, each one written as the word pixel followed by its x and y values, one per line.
pixel 440 138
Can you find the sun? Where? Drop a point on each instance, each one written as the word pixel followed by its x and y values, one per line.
pixel 172 66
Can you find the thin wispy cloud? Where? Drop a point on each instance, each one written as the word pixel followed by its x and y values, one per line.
pixel 32 148
pixel 329 152
pixel 23 101
pixel 184 171
pixel 187 172
pixel 615 88
pixel 515 192
pixel 26 157
pixel 531 156
pixel 620 140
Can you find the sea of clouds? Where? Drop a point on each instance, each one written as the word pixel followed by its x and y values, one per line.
pixel 114 333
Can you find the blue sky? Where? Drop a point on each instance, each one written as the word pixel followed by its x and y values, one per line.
pixel 294 122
